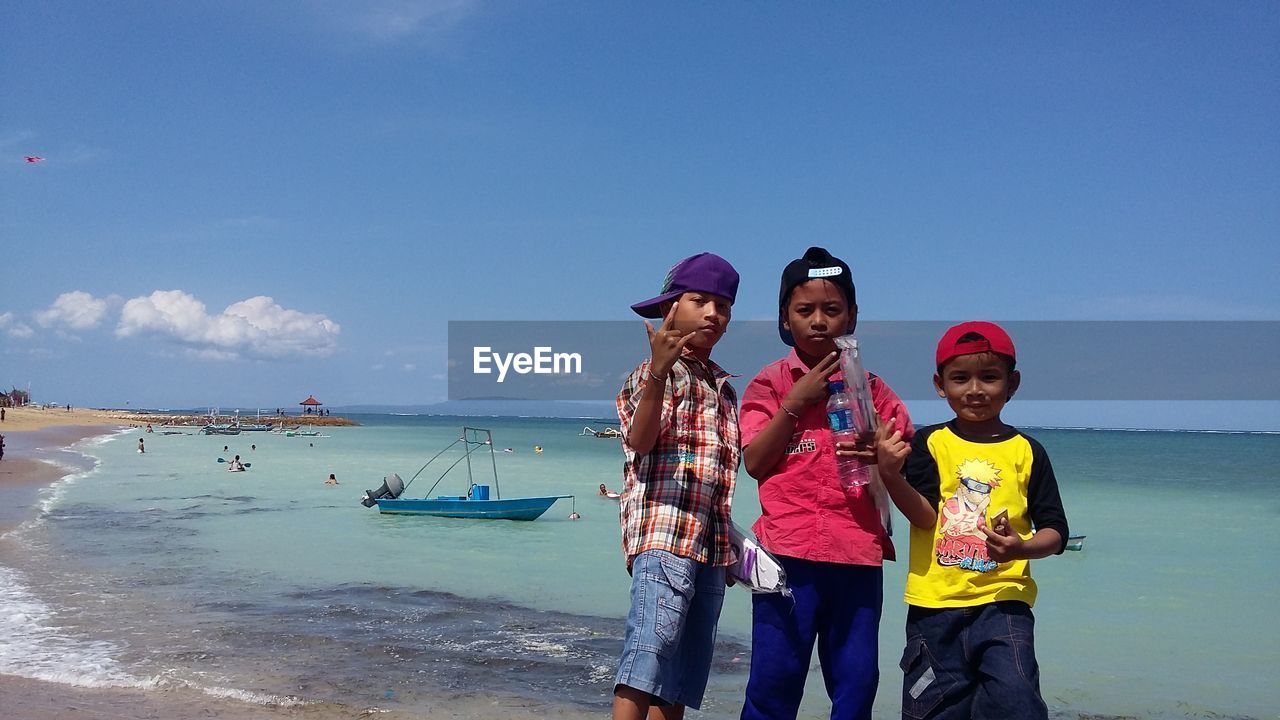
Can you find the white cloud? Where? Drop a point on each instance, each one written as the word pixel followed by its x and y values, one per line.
pixel 15 328
pixel 256 327
pixel 410 367
pixel 76 310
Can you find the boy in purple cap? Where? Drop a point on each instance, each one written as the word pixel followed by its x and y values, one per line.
pixel 680 445
pixel 983 501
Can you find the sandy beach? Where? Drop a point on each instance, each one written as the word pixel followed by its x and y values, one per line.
pixel 23 419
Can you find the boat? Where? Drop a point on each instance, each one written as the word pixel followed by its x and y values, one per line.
pixel 606 433
pixel 220 429
pixel 476 504
pixel 213 427
pixel 1076 542
pixel 309 432
pixel 257 426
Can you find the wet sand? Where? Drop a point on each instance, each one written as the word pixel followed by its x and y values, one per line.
pixel 25 699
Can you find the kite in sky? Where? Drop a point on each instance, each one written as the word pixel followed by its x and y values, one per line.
pixel 34 159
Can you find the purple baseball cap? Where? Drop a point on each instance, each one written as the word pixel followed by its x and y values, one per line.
pixel 704 272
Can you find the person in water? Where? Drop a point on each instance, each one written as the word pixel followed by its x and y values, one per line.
pixel 235 465
pixel 332 480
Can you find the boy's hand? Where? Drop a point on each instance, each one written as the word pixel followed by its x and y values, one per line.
pixel 665 343
pixel 812 388
pixel 864 450
pixel 891 449
pixel 1002 543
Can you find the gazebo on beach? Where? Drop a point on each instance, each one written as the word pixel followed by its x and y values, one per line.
pixel 311 406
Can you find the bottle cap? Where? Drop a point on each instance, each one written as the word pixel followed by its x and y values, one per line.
pixel 835 387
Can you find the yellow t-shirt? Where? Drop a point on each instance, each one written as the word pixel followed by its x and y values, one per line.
pixel 970 482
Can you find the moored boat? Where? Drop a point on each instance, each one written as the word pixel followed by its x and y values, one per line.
pixel 476 504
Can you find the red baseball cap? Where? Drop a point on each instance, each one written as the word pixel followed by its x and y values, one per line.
pixel 994 339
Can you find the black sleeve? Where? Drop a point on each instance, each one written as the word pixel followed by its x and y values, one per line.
pixel 921 469
pixel 1044 503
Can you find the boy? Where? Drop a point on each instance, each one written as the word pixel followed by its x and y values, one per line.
pixel 829 539
pixel 680 444
pixel 982 501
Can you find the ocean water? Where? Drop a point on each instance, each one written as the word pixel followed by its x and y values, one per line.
pixel 164 570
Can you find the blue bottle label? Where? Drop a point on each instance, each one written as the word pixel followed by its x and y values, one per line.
pixel 840 420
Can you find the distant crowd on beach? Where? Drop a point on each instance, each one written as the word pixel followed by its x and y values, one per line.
pixel 832 448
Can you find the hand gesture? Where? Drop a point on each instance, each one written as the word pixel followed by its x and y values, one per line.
pixel 891 449
pixel 665 343
pixel 1003 544
pixel 812 388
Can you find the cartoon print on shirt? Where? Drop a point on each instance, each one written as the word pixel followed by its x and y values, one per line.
pixel 961 542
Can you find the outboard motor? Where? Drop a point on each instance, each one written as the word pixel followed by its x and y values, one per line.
pixel 391 488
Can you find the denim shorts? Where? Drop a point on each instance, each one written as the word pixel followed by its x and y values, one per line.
pixel 671 628
pixel 974 662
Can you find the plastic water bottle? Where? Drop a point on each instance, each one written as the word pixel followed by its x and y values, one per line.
pixel 864 418
pixel 842 416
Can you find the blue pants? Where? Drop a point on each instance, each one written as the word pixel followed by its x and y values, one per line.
pixel 839 607
pixel 976 662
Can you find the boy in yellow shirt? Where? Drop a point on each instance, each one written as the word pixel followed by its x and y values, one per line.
pixel 983 501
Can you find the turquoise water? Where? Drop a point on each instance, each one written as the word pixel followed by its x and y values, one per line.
pixel 162 568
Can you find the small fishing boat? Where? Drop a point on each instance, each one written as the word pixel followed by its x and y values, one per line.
pixel 607 433
pixel 476 504
pixel 1076 542
pixel 221 429
pixel 257 426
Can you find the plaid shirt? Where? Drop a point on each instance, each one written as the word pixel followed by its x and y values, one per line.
pixel 676 498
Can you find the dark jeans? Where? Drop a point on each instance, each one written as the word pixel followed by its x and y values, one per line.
pixel 836 606
pixel 977 662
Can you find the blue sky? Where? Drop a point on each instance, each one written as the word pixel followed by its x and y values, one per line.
pixel 242 203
